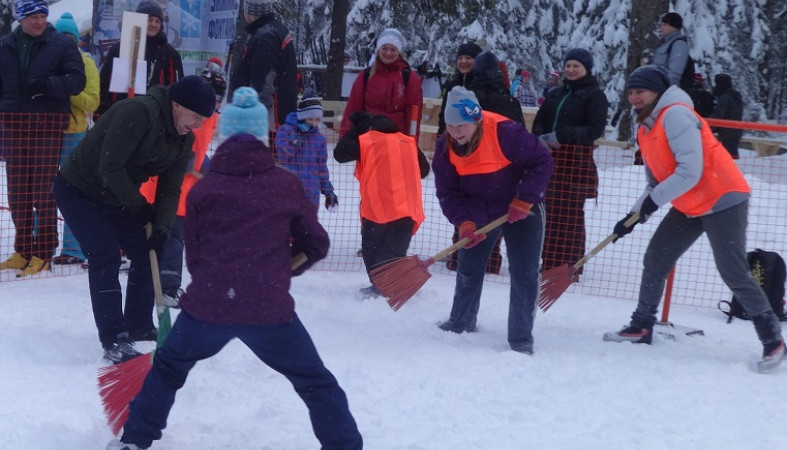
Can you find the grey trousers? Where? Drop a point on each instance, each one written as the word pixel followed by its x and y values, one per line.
pixel 726 231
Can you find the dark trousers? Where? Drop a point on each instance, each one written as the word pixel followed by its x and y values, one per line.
pixel 171 264
pixel 523 248
pixel 381 242
pixel 32 157
pixel 732 146
pixel 564 233
pixel 285 348
pixel 100 231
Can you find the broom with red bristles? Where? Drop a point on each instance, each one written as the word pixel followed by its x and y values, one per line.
pixel 119 384
pixel 399 279
pixel 556 280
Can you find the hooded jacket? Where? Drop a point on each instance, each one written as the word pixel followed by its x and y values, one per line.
pixel 682 129
pixel 240 234
pixel 305 154
pixel 52 57
pixel 675 61
pixel 134 140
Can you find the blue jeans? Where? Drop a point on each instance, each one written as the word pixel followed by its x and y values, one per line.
pixel 102 230
pixel 286 348
pixel 171 264
pixel 524 240
pixel 70 243
pixel 726 231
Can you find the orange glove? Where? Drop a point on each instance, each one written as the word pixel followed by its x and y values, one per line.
pixel 467 230
pixel 518 210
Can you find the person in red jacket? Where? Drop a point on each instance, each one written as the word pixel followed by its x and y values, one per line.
pixel 385 91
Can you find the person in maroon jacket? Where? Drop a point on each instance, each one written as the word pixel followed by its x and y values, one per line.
pixel 385 91
pixel 237 214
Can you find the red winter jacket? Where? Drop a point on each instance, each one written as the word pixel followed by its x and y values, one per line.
pixel 385 94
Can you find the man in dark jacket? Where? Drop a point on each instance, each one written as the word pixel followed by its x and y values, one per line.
pixel 163 60
pixel 42 69
pixel 237 214
pixel 729 106
pixel 97 191
pixel 268 63
pixel 703 100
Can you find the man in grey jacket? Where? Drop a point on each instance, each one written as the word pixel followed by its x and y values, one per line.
pixel 673 53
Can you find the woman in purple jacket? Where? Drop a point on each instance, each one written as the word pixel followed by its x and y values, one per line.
pixel 236 214
pixel 487 166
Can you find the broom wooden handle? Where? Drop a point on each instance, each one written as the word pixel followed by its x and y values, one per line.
pixel 297 261
pixel 135 38
pixel 154 272
pixel 464 241
pixel 631 221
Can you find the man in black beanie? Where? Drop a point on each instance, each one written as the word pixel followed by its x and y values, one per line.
pixel 97 191
pixel 673 52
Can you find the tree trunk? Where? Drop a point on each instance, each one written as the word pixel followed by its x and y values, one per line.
pixel 644 18
pixel 335 70
pixel 6 16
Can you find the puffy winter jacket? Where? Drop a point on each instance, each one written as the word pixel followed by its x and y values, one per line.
pixel 305 154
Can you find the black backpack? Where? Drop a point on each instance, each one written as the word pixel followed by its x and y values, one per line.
pixel 769 271
pixel 687 77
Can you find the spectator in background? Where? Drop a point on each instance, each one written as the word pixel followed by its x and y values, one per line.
pixel 82 107
pixel 164 65
pixel 391 89
pixel 97 190
pixel 729 105
pixel 703 100
pixel 463 75
pixel 389 168
pixel 572 117
pixel 673 52
pixel 525 92
pixel 553 80
pixel 686 166
pixel 233 215
pixel 268 64
pixel 41 70
pixel 486 166
pixel 303 150
pixel 515 82
pixel 171 262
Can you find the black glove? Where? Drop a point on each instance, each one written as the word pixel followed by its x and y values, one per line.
pixel 331 200
pixel 361 121
pixel 36 88
pixel 621 229
pixel 647 208
pixel 156 241
pixel 145 215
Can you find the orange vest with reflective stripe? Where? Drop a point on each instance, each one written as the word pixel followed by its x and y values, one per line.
pixel 488 157
pixel 720 174
pixel 390 178
pixel 202 138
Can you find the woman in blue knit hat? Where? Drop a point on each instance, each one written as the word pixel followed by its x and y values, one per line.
pixel 687 166
pixel 572 117
pixel 236 214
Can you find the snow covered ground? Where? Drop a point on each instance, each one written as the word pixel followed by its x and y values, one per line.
pixel 410 385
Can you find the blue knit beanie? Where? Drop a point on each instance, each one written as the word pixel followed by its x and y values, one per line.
pixel 486 66
pixel 582 56
pixel 26 8
pixel 66 25
pixel 244 115
pixel 652 78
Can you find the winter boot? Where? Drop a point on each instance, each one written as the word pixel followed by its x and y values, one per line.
pixel 369 292
pixel 636 333
pixel 454 327
pixel 522 347
pixel 35 266
pixel 121 351
pixel 772 356
pixel 16 262
pixel 117 444
pixel 139 336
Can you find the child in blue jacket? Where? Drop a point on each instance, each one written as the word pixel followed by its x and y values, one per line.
pixel 302 149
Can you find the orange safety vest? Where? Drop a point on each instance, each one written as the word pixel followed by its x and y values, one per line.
pixel 390 178
pixel 720 175
pixel 488 157
pixel 202 139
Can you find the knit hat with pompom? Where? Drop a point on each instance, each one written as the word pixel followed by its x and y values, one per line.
pixel 244 115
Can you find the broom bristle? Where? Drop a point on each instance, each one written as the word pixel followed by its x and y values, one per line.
pixel 400 279
pixel 554 283
pixel 118 385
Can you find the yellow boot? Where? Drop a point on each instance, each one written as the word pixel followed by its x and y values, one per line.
pixel 16 262
pixel 35 266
